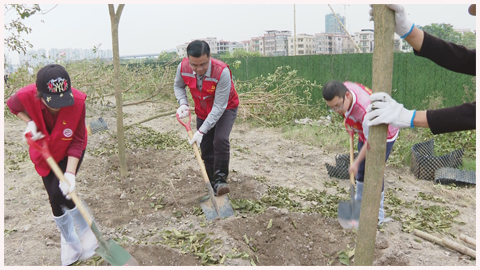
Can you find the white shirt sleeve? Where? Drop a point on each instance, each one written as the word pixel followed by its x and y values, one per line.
pixel 179 87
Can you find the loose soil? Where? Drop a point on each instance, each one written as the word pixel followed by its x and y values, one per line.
pixel 170 180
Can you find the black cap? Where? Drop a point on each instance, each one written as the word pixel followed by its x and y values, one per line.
pixel 54 84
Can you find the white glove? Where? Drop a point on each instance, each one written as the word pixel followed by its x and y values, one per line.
pixel 182 111
pixel 385 110
pixel 32 128
pixel 197 137
pixel 67 186
pixel 403 27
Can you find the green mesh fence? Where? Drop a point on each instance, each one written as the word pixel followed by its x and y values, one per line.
pixel 415 79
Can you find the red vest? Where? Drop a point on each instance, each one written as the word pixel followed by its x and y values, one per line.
pixel 355 118
pixel 204 99
pixel 63 131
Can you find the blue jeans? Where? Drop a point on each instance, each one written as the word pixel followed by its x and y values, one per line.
pixel 361 167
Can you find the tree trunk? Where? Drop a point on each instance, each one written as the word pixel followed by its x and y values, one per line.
pixel 114 20
pixel 375 160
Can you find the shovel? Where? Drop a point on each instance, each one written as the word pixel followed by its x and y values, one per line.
pixel 349 211
pixel 108 250
pixel 217 206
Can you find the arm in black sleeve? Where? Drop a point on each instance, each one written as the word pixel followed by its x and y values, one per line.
pixel 452 119
pixel 448 55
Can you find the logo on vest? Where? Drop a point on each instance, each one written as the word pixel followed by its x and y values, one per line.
pixel 211 90
pixel 67 132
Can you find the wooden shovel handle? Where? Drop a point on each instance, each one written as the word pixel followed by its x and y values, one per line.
pixel 199 159
pixel 352 177
pixel 58 172
pixel 43 149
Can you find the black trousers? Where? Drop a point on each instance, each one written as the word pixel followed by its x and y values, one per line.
pixel 55 195
pixel 215 144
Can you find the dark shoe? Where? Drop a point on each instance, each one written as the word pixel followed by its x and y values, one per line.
pixel 221 188
pixel 220 185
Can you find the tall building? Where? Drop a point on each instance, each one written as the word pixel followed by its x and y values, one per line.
pixel 332 26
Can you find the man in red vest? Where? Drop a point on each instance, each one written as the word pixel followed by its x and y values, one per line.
pixel 54 111
pixel 216 104
pixel 351 100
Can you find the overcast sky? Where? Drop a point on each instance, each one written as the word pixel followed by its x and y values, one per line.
pixel 152 28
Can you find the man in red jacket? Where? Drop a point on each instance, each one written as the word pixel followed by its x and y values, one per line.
pixel 457 58
pixel 54 111
pixel 216 104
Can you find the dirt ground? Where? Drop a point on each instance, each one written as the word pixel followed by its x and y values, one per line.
pixel 125 210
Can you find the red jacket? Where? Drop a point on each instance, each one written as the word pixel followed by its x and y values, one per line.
pixel 204 99
pixel 62 133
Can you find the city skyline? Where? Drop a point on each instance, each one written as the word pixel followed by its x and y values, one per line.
pixel 138 35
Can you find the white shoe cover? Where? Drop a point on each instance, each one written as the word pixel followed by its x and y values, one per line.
pixel 85 233
pixel 70 252
pixel 89 244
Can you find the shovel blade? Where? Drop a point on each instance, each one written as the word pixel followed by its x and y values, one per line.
pixel 111 251
pixel 349 214
pixel 115 254
pixel 224 207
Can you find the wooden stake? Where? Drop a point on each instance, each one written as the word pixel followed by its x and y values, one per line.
pixel 446 243
pixel 377 138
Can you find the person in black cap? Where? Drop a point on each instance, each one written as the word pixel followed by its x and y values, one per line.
pixel 55 112
pixel 385 110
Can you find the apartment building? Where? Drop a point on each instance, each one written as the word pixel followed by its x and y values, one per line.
pixel 364 40
pixel 246 45
pixel 328 43
pixel 305 45
pixel 276 43
pixel 257 44
pixel 211 41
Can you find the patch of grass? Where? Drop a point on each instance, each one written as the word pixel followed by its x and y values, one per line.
pixel 469 164
pixel 282 197
pixel 330 137
pixel 147 138
pixel 13 159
